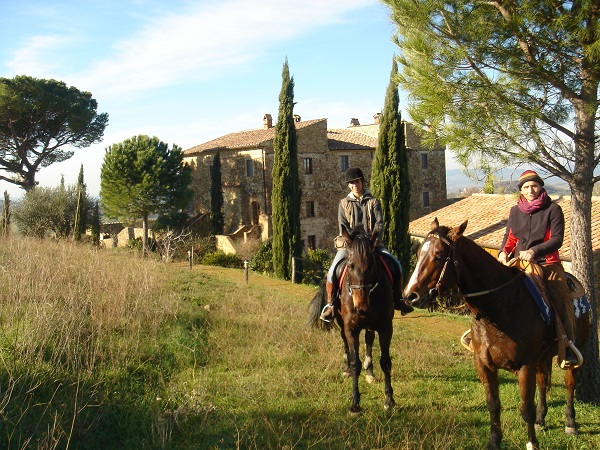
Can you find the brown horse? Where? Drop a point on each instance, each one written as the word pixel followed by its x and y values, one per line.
pixel 507 329
pixel 366 303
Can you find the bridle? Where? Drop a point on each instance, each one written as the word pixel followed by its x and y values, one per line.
pixel 364 287
pixel 452 245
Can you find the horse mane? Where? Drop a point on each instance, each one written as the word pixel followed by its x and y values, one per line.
pixel 361 245
pixel 474 249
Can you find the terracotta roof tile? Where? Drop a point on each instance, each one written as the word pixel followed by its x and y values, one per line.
pixel 244 139
pixel 348 139
pixel 487 215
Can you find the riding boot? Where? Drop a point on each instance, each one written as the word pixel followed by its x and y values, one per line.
pixel 328 311
pixel 569 357
pixel 399 303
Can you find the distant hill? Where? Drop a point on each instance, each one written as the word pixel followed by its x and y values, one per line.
pixel 457 184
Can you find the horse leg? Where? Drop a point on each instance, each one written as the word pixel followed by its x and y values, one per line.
pixel 544 371
pixel 346 370
pixel 355 368
pixel 570 424
pixel 385 338
pixel 368 364
pixel 489 379
pixel 527 381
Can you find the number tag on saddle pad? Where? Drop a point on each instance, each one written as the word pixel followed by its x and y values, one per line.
pixel 581 306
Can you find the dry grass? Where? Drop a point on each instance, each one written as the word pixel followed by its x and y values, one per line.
pixel 103 350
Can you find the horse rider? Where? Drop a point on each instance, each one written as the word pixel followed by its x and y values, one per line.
pixel 534 233
pixel 359 211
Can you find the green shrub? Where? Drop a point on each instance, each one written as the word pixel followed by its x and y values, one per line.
pixel 218 258
pixel 315 264
pixel 262 262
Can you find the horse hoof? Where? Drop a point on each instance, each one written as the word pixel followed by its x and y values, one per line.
pixel 355 410
pixel 370 379
pixel 571 431
pixel 540 427
pixel 389 405
pixel 346 374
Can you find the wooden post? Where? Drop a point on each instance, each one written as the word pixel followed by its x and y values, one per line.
pixel 293 269
pixel 246 264
pixel 190 256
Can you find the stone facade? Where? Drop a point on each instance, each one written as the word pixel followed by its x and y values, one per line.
pixel 323 156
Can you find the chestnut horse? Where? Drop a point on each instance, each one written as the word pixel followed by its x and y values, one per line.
pixel 507 330
pixel 366 303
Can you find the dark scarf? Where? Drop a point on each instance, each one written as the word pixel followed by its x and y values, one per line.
pixel 535 205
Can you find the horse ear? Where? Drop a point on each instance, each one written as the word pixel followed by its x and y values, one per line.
pixel 374 237
pixel 458 231
pixel 346 236
pixel 435 224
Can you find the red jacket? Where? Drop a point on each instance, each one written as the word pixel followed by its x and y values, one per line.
pixel 542 231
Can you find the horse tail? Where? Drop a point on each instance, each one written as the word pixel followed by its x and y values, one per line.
pixel 315 307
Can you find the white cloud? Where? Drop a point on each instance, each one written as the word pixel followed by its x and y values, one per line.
pixel 206 40
pixel 31 58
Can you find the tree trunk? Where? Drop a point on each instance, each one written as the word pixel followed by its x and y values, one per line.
pixel 588 386
pixel 145 237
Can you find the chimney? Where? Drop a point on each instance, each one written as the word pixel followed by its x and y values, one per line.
pixel 354 122
pixel 297 118
pixel 376 118
pixel 267 121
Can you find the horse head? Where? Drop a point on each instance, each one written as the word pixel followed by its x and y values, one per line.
pixel 361 273
pixel 431 275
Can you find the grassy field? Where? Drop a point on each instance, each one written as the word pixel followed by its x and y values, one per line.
pixel 101 350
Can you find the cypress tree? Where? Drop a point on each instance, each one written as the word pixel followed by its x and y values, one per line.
pixel 217 220
pixel 95 225
pixel 389 177
pixel 80 224
pixel 5 224
pixel 286 183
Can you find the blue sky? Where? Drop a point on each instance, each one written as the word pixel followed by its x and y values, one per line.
pixel 190 71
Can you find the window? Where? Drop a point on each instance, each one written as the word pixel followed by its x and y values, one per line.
pixel 312 241
pixel 310 209
pixel 255 213
pixel 425 199
pixel 308 166
pixel 424 161
pixel 249 168
pixel 344 163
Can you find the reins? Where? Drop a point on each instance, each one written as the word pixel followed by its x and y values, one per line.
pixel 452 246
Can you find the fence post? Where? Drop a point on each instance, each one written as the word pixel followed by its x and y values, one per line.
pixel 293 269
pixel 190 257
pixel 246 264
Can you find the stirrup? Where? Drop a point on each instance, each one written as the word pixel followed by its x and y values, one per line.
pixel 466 341
pixel 565 365
pixel 326 315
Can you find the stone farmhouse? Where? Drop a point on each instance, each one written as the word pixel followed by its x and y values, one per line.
pixel 323 156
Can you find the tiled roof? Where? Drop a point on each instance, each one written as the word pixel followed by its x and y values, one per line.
pixel 487 215
pixel 348 139
pixel 244 139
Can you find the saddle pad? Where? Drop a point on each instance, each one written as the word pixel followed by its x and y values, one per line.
pixel 581 306
pixel 545 310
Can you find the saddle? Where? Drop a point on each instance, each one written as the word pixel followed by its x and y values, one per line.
pixel 536 285
pixel 391 268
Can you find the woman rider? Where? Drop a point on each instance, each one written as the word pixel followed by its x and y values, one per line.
pixel 359 211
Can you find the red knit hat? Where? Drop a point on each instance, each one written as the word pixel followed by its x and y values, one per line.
pixel 530 175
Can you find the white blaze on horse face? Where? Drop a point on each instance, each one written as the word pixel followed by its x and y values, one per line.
pixel 413 279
